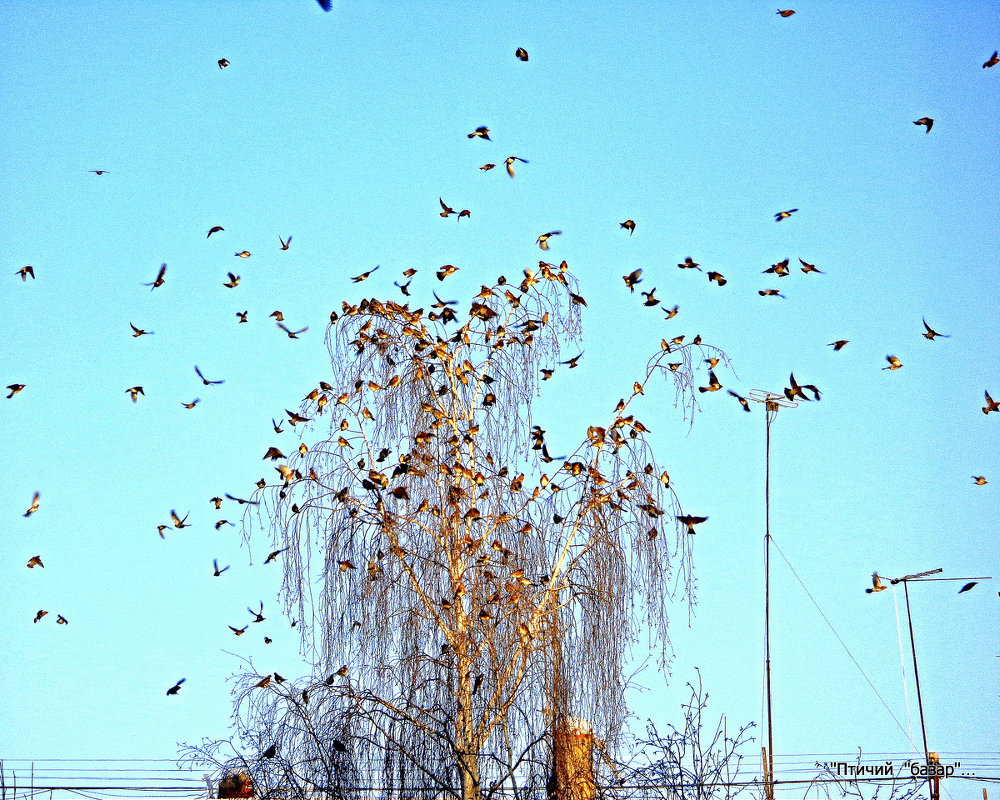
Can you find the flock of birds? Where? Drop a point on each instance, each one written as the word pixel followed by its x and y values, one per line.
pixel 780 269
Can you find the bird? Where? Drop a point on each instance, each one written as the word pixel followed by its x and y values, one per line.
pixel 780 269
pixel 894 363
pixel 628 225
pixel 572 361
pixel 979 480
pixel 522 54
pixel 103 171
pixel 968 586
pixel 274 454
pixel 215 565
pixel 784 214
pixel 326 5
pixel 446 209
pixel 926 122
pixel 650 299
pixel 243 502
pixel 482 132
pixel 223 63
pixel 135 391
pixel 243 254
pixel 285 243
pixel 137 332
pixel 509 161
pixel 364 275
pixel 291 334
pixel 742 400
pixel 259 614
pixel 222 522
pixel 689 263
pixel 807 267
pixel 205 380
pixel 24 272
pixel 543 240
pixel 233 281
pixel 931 333
pixel 877 585
pixel 770 293
pixel 717 277
pixel 839 344
pixel 178 522
pixel 487 167
pixel 465 213
pixel 192 404
pixel 786 13
pixel 176 687
pixel 274 555
pixel 161 528
pixel 238 631
pixel 691 521
pixel 35 561
pixel 242 316
pixel 346 565
pixel 61 620
pixel 34 505
pixel 14 389
pixel 713 383
pixel 214 229
pixel 271 752
pixel 632 279
pixel 445 271
pixel 159 278
pixel 39 615
pixel 992 61
pixel 991 404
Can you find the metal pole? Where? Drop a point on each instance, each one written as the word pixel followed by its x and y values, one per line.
pixel 769 417
pixel 916 680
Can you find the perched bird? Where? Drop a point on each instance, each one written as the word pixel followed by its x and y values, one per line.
pixel 242 316
pixel 786 13
pixel 192 404
pixel 285 243
pixel 36 561
pixel 991 404
pixel 979 480
pixel 925 121
pixel 691 521
pixel 877 585
pixel 159 277
pixel 717 277
pixel 364 275
pixel 137 332
pixel 39 615
pixel 992 61
pixel 543 240
pixel 205 380
pixel 522 54
pixel 742 400
pixel 784 214
pixel 446 209
pixel 894 363
pixel 243 254
pixel 215 566
pixel 807 267
pixel 24 272
pixel 839 344
pixel 176 687
pixel 931 333
pixel 509 161
pixel 968 586
pixel 291 334
pixel 178 522
pixel 214 229
pixel 628 225
pixel 632 279
pixel 223 63
pixel 135 391
pixel 233 281
pixel 713 383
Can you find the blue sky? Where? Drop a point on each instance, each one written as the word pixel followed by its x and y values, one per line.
pixel 699 121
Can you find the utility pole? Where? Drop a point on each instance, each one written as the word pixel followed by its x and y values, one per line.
pixel 772 403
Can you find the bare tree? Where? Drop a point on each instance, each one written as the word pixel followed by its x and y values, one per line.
pixel 459 587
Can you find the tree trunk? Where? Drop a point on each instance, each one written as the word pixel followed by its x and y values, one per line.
pixel 573 761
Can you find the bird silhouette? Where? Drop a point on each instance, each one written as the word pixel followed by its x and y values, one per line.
pixel 61 620
pixel 691 520
pixel 39 615
pixel 543 240
pixel 931 333
pixel 233 281
pixel 137 332
pixel 650 299
pixel 770 293
pixel 839 344
pixel 968 586
pixel 104 171
pixel 742 400
pixel 14 389
pixel 786 13
pixel 979 480
pixel 205 380
pixel 35 561
pixel 192 404
pixel 34 505
pixel 522 54
pixel 243 254
pixel 160 278
pixel 241 316
pixel 176 687
pixel 258 616
pixel 238 631
pixel 487 167
pixel 894 363
pixel 780 269
pixel 877 585
pixel 927 122
pixel 326 5
pixel 215 564
pixel 713 383
pixel 223 63
pixel 632 279
pixel 291 334
pixel 717 277
pixel 178 522
pixel 991 404
pixel 509 162
pixel 628 225
pixel 135 391
pixel 364 275
pixel 446 209
pixel 285 243
pixel 992 61
pixel 24 272
pixel 214 229
pixel 481 132
pixel 807 267
pixel 784 214
pixel 273 555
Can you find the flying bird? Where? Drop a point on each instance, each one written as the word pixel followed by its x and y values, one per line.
pixel 979 480
pixel 233 281
pixel 243 254
pixel 689 263
pixel 968 586
pixel 894 363
pixel 35 561
pixel 770 293
pixel 24 272
pixel 522 54
pixel 178 522
pixel 159 277
pixel 135 391
pixel 137 332
pixel 214 229
pixel 215 565
pixel 691 521
pixel 991 404
pixel 931 333
pixel 839 344
pixel 285 243
pixel 877 585
pixel 992 61
pixel 192 404
pixel 713 383
pixel 466 213
pixel 717 277
pixel 482 132
pixel 364 275
pixel 628 225
pixel 39 615
pixel 274 555
pixel 291 334
pixel 61 620
pixel 238 631
pixel 326 5
pixel 176 687
pixel 487 167
pixel 103 171
pixel 223 63
pixel 205 380
pixel 14 389
pixel 926 122
pixel 807 267
pixel 650 299
pixel 543 240
pixel 742 400
pixel 509 161
pixel 632 279
pixel 784 214
pixel 446 209
pixel 242 316
pixel 258 616
pixel 572 362
pixel 786 13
